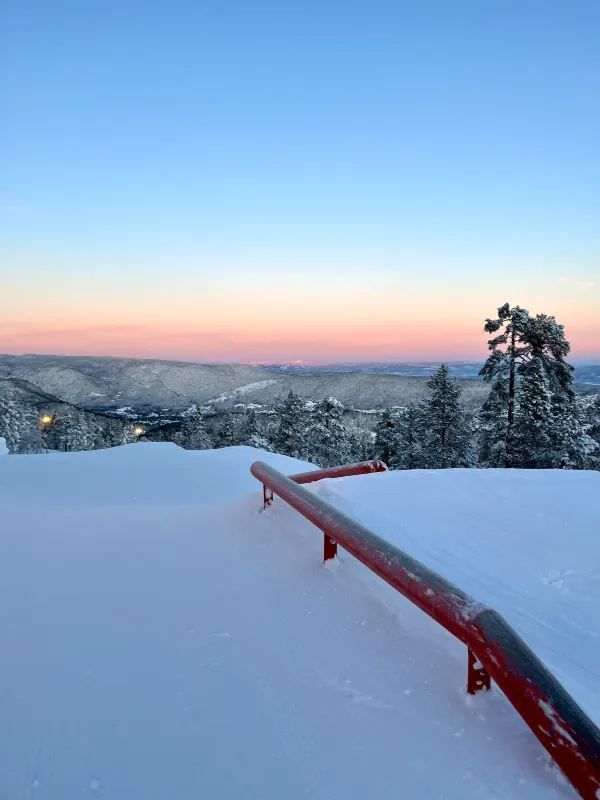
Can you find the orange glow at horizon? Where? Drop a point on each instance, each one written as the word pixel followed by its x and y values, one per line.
pixel 256 343
pixel 359 321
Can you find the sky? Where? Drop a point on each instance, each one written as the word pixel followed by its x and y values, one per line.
pixel 299 181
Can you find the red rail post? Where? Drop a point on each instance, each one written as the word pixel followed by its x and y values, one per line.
pixel 267 497
pixel 343 471
pixel 329 547
pixel 478 678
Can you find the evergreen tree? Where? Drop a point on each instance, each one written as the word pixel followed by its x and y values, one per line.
pixel 386 437
pixel 508 350
pixel 447 441
pixel 327 437
pixel 113 433
pixel 12 424
pixel 410 435
pixel 71 431
pixel 130 433
pixel 224 436
pixel 527 368
pixel 289 436
pixel 19 426
pixel 592 420
pixel 193 434
pixel 572 447
pixel 493 427
pixel 250 434
pixel 531 441
pixel 360 445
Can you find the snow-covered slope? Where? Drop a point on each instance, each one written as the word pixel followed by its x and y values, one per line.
pixel 163 638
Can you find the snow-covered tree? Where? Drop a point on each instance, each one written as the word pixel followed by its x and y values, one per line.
pixel 19 426
pixel 492 427
pixel 10 424
pixel 225 436
pixel 508 349
pixel 446 442
pixel 129 433
pixel 14 424
pixel 410 438
pixel 571 445
pixel 193 434
pixel 386 437
pixel 532 429
pixel 71 431
pixel 250 434
pixel 526 364
pixel 360 444
pixel 327 437
pixel 290 433
pixel 592 426
pixel 399 437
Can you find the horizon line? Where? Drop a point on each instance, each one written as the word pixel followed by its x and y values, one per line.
pixel 582 361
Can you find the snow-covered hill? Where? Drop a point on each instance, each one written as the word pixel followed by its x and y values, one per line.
pixel 112 383
pixel 164 638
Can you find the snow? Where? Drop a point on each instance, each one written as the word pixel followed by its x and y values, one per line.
pixel 3 447
pixel 141 474
pixel 524 542
pixel 163 637
pixel 242 390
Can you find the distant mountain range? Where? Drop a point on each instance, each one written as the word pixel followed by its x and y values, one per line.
pixel 121 385
pixel 586 375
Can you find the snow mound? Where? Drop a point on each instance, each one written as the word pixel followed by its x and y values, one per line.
pixel 143 473
pixel 162 637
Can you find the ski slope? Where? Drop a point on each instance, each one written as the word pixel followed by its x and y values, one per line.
pixel 163 638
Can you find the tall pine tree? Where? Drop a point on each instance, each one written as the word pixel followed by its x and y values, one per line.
pixel 532 430
pixel 539 425
pixel 508 349
pixel 386 437
pixel 493 427
pixel 410 438
pixel 290 433
pixel 327 437
pixel 447 439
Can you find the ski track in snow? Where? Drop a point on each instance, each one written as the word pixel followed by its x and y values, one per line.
pixel 165 638
pixel 240 391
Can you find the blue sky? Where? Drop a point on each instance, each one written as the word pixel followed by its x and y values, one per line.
pixel 448 153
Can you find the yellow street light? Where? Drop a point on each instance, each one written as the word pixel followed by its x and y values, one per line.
pixel 46 419
pixel 138 431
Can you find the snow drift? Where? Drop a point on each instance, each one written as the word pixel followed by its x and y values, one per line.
pixel 164 638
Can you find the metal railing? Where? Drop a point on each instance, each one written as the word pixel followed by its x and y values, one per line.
pixel 495 650
pixel 346 470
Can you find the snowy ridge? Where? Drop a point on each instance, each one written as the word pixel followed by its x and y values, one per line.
pixel 164 638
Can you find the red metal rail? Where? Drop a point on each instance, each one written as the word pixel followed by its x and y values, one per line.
pixel 362 468
pixel 346 470
pixel 494 649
